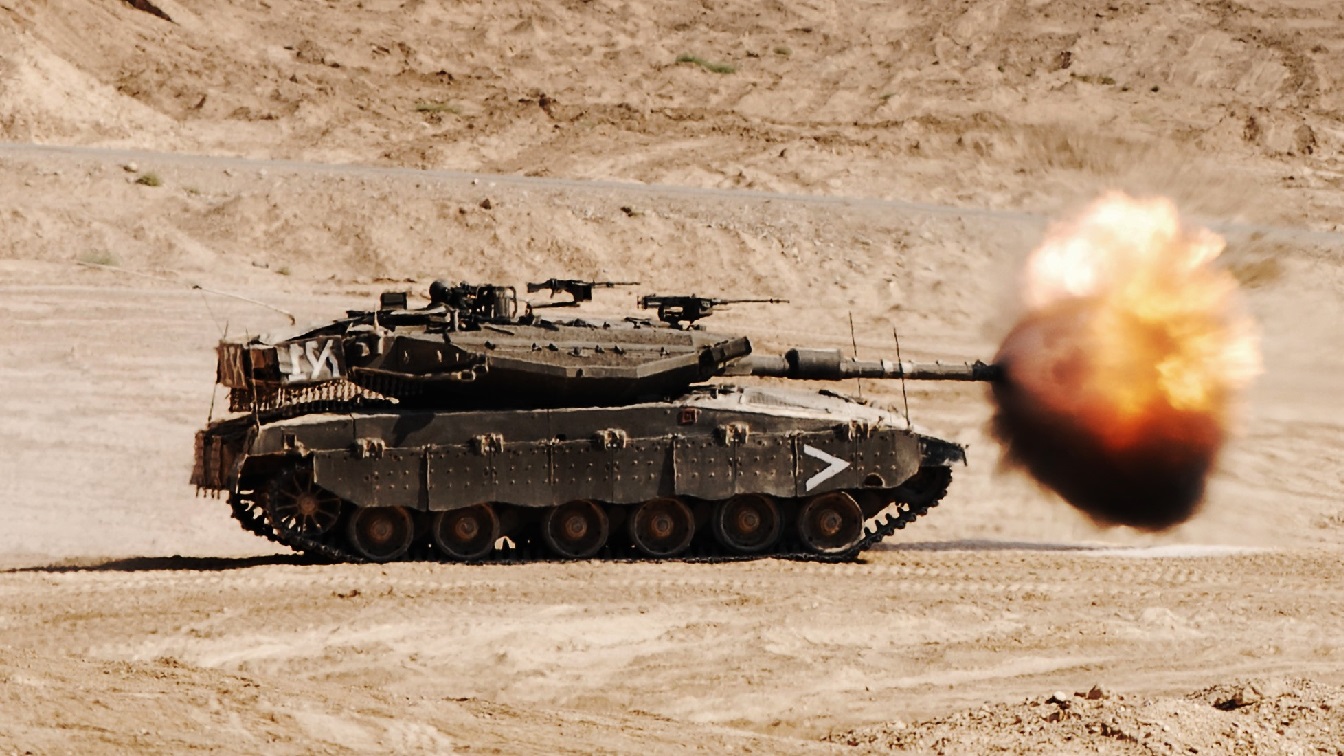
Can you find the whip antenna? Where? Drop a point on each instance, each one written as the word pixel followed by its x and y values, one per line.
pixel 214 389
pixel 192 285
pixel 855 343
pixel 905 399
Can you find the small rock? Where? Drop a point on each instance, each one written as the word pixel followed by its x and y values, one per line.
pixel 1097 693
pixel 131 168
pixel 1247 695
pixel 486 204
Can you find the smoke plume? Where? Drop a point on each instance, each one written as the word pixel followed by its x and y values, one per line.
pixel 1121 377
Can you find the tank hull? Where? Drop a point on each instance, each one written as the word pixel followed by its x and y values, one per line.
pixel 712 456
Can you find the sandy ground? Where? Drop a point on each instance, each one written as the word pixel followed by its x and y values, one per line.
pixel 893 161
pixel 264 654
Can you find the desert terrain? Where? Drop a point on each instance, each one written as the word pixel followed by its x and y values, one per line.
pixel 891 161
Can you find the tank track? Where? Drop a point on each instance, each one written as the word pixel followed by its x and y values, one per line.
pixel 250 514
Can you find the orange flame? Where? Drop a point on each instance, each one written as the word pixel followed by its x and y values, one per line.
pixel 1121 377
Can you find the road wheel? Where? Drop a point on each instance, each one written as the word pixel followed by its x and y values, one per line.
pixel 831 524
pixel 295 505
pixel 662 527
pixel 576 530
pixel 380 534
pixel 747 523
pixel 466 534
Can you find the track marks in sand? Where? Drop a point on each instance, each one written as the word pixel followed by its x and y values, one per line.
pixel 807 645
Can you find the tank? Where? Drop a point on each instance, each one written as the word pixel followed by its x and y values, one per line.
pixel 475 429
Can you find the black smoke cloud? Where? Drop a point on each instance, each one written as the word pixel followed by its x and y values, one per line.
pixel 1143 467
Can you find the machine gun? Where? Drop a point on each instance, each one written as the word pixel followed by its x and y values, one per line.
pixel 581 291
pixel 678 309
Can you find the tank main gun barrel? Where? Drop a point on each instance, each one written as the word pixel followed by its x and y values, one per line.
pixel 831 365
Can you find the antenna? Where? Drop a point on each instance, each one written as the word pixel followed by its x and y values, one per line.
pixel 214 388
pixel 192 285
pixel 855 343
pixel 905 399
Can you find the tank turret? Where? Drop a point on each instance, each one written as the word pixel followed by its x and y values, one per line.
pixel 472 346
pixel 473 428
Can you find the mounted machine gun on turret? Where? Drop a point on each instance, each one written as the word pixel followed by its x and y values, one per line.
pixel 579 291
pixel 683 310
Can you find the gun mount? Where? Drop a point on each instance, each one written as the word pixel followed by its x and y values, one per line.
pixel 469 431
pixel 471 305
pixel 688 308
pixel 580 291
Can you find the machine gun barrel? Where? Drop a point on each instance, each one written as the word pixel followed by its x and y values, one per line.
pixel 831 365
pixel 682 308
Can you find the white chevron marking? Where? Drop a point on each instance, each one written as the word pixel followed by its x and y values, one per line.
pixel 833 466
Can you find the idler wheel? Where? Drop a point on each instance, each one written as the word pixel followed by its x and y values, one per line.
pixel 747 523
pixel 662 527
pixel 466 534
pixel 380 534
pixel 925 488
pixel 831 524
pixel 295 505
pixel 576 530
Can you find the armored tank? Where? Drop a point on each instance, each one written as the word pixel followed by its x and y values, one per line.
pixel 474 429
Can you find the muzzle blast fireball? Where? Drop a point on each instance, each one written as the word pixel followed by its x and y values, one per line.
pixel 1120 379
